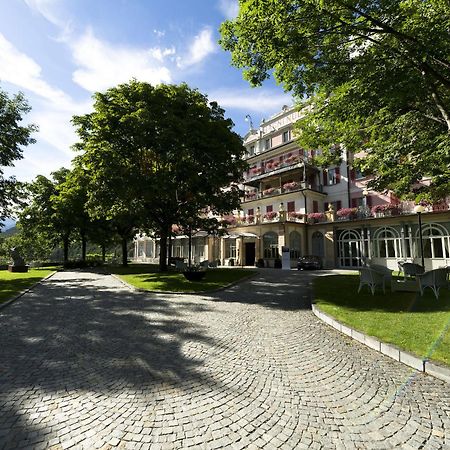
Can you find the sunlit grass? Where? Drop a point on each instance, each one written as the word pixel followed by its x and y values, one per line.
pixel 12 283
pixel 417 324
pixel 145 276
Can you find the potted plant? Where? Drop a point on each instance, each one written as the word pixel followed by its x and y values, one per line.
pixel 194 273
pixel 295 215
pixel 269 191
pixel 347 213
pixel 291 185
pixel 386 209
pixel 316 217
pixel 250 219
pixel 229 220
pixel 271 215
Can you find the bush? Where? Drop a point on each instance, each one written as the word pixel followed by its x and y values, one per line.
pixel 277 263
pixel 260 262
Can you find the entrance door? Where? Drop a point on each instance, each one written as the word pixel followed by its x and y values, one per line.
pixel 250 252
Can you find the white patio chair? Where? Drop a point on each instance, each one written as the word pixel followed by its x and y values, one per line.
pixel 387 273
pixel 410 269
pixel 180 265
pixel 434 279
pixel 371 278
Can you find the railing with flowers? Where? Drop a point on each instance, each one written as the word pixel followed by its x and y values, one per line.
pixel 270 216
pixel 248 220
pixel 295 216
pixel 316 217
pixel 291 186
pixel 347 213
pixel 271 191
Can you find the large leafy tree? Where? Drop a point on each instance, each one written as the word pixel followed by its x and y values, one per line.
pixel 158 156
pixel 13 137
pixel 376 75
pixel 46 216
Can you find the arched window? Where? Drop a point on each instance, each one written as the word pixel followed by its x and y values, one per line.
pixel 294 244
pixel 350 246
pixel 270 245
pixel 436 241
pixel 318 244
pixel 387 243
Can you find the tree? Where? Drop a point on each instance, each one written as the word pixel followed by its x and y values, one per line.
pixel 158 156
pixel 13 137
pixel 44 215
pixel 376 73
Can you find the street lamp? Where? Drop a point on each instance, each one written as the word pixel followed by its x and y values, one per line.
pixel 419 209
pixel 365 194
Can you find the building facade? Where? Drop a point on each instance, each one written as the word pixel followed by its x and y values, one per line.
pixel 289 204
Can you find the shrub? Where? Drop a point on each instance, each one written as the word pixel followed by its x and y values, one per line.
pixel 346 212
pixel 270 215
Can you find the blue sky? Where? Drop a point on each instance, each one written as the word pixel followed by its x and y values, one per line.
pixel 59 52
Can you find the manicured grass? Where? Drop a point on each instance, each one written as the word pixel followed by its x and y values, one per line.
pixel 11 283
pixel 417 324
pixel 145 276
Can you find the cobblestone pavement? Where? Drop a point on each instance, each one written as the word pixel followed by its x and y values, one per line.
pixel 86 363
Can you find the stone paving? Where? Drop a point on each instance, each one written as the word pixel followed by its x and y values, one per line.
pixel 87 363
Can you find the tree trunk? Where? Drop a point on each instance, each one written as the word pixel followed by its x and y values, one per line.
pixel 66 249
pixel 124 252
pixel 103 252
pixel 83 247
pixel 163 251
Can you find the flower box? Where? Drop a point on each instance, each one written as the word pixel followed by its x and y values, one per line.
pixel 269 216
pixel 268 191
pixel 346 213
pixel 291 186
pixel 295 215
pixel 316 217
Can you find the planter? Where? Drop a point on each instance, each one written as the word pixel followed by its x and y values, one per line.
pixel 194 276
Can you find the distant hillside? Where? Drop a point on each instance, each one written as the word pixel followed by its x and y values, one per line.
pixel 9 232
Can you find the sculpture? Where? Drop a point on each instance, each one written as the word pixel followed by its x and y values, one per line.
pixel 18 264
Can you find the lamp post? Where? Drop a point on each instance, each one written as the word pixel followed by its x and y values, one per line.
pixel 190 221
pixel 419 209
pixel 365 194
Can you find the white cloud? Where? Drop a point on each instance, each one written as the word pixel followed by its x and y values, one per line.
pixel 201 46
pixel 229 8
pixel 19 69
pixel 103 65
pixel 256 100
pixel 51 10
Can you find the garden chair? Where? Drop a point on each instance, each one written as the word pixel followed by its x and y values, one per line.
pixel 180 265
pixel 204 263
pixel 371 278
pixel 410 269
pixel 434 279
pixel 387 273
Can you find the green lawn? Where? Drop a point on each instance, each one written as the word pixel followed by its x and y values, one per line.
pixel 417 324
pixel 12 283
pixel 145 276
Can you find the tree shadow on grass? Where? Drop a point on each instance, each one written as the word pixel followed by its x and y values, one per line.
pixel 66 339
pixel 342 290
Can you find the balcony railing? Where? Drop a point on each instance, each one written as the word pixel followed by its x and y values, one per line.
pixel 256 172
pixel 270 192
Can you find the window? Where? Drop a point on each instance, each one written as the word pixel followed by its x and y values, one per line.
pixel 387 243
pixel 251 150
pixel 270 245
pixel 290 206
pixel 251 212
pixel 350 248
pixel 294 244
pixel 267 144
pixel 269 208
pixel 436 241
pixel 331 176
pixel 230 248
pixel 286 136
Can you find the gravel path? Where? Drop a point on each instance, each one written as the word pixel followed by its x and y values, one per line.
pixel 87 363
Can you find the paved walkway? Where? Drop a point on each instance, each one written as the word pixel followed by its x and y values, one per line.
pixel 86 363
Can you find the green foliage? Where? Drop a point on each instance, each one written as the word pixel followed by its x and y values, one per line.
pixel 13 137
pixel 377 76
pixel 156 156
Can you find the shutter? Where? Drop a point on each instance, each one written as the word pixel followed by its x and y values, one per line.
pixel 352 175
pixel 251 212
pixel 301 152
pixel 269 208
pixel 325 178
pixel 338 205
pixel 325 206
pixel 337 172
pixel 354 202
pixel 291 206
pixel 369 201
pixel 315 206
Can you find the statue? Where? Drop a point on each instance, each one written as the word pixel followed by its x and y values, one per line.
pixel 18 264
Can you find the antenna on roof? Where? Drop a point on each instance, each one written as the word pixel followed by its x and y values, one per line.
pixel 248 118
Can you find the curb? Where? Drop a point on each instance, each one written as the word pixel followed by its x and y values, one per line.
pixel 21 293
pixel 420 364
pixel 134 288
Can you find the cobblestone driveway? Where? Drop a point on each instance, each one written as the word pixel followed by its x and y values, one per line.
pixel 87 363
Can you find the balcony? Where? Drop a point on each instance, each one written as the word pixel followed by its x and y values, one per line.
pixel 270 192
pixel 257 173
